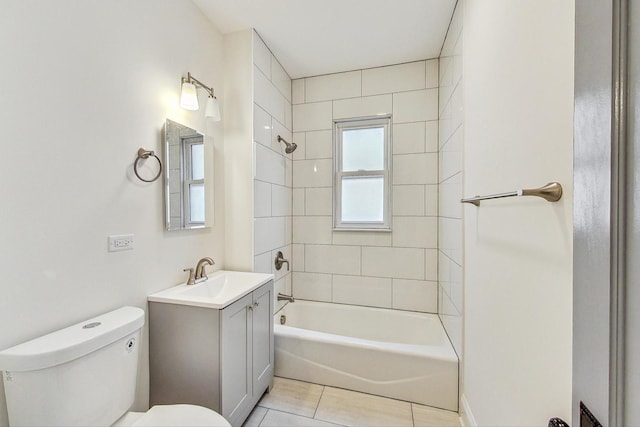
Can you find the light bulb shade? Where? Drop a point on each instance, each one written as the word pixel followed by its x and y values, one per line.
pixel 189 97
pixel 213 109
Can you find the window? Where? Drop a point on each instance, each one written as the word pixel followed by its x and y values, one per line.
pixel 194 197
pixel 362 183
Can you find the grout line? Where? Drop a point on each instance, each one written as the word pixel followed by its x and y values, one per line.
pixel 318 404
pixel 413 418
pixel 264 416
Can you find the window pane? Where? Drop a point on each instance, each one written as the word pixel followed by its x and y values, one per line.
pixel 363 199
pixel 196 202
pixel 363 149
pixel 197 161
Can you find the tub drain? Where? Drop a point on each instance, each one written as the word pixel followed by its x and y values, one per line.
pixel 283 319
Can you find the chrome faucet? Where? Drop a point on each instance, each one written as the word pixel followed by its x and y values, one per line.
pixel 200 274
pixel 283 297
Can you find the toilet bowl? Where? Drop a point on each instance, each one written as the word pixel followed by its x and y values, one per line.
pixel 173 415
pixel 85 375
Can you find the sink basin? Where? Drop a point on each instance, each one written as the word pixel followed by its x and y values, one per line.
pixel 221 289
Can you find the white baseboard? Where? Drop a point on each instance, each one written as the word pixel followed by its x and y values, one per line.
pixel 466 416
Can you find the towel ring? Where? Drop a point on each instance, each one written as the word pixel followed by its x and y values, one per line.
pixel 144 154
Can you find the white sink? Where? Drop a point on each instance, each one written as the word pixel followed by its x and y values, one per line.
pixel 221 289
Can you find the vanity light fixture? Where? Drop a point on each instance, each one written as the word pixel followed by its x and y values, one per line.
pixel 189 97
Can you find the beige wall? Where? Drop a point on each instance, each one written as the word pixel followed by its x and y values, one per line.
pixel 381 269
pixel 84 85
pixel 518 132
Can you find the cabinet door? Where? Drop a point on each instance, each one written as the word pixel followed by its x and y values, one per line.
pixel 235 363
pixel 262 338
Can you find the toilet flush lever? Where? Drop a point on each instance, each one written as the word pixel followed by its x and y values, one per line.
pixel 280 260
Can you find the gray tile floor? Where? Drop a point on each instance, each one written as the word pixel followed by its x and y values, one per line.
pixel 296 403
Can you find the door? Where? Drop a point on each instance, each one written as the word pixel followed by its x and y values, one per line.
pixel 235 357
pixel 263 350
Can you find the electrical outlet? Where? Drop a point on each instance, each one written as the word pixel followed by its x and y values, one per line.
pixel 121 242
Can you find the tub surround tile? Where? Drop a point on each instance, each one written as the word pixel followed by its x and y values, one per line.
pixel 269 233
pixel 432 73
pixel 408 200
pixel 393 78
pixel 261 126
pixel 297 91
pixel 313 173
pixel 415 106
pixel 314 116
pixel 333 86
pixel 269 165
pixel 280 79
pixel 357 409
pixel 319 144
pixel 300 139
pixel 319 201
pixel 431 137
pixel 261 56
pixel 312 229
pixel 292 396
pixel 262 199
pixel 402 263
pixel 415 295
pixel 362 107
pixel 415 232
pixel 333 259
pixel 415 168
pixel 297 257
pixel 312 286
pixel 361 290
pixel 409 138
pixel 298 202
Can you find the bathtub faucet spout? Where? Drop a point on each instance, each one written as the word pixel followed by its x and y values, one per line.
pixel 283 297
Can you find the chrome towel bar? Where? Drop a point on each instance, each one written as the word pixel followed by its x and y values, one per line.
pixel 551 192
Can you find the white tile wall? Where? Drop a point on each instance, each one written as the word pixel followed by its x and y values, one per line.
pixel 409 138
pixel 312 229
pixel 450 184
pixel 332 259
pixel 312 286
pixel 319 144
pixel 421 105
pixel 402 263
pixel 409 295
pixel 396 269
pixel 262 199
pixel 316 116
pixel 415 168
pixel 333 86
pixel 394 78
pixel 362 290
pixel 313 173
pixel 415 232
pixel 273 168
pixel 362 107
pixel 319 201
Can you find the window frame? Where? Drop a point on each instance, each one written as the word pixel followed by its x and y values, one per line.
pixel 339 126
pixel 187 143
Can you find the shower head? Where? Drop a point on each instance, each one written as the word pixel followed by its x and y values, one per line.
pixel 290 147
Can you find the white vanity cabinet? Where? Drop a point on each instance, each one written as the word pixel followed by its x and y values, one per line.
pixel 218 358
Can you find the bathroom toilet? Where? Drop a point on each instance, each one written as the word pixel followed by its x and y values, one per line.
pixel 85 375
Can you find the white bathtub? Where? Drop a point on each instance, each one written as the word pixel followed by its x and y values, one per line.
pixel 397 354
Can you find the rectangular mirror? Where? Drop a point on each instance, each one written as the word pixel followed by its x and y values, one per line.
pixel 188 178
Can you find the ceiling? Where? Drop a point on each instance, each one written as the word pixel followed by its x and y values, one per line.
pixel 313 37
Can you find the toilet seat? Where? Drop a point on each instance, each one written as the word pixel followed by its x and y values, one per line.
pixel 175 415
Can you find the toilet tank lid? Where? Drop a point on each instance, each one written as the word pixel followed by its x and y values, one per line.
pixel 75 341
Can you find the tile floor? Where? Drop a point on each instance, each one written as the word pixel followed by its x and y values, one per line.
pixel 295 403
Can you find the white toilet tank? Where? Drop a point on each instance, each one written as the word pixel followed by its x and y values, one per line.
pixel 78 376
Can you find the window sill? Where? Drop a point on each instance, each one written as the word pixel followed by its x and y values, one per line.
pixel 377 230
